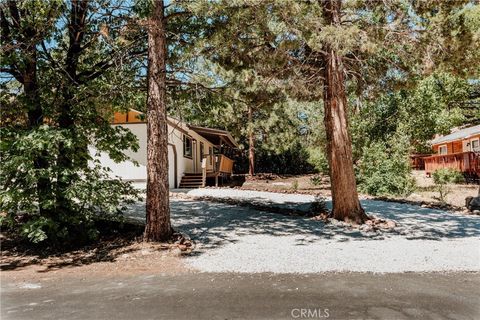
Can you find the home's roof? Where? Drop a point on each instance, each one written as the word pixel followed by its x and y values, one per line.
pixel 457 135
pixel 215 136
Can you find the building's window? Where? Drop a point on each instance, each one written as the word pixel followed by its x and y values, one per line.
pixel 187 146
pixel 210 152
pixel 202 153
pixel 442 149
pixel 475 144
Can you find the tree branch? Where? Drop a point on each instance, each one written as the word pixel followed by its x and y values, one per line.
pixel 177 14
pixel 14 73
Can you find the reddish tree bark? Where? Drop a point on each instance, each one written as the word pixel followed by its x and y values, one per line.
pixel 346 205
pixel 158 227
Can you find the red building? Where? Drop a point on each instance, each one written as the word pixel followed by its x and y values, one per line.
pixel 459 150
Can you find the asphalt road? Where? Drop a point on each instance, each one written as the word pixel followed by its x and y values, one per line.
pixel 246 296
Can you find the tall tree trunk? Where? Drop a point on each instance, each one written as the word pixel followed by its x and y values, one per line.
pixel 35 120
pixel 26 74
pixel 158 225
pixel 251 143
pixel 346 205
pixel 66 119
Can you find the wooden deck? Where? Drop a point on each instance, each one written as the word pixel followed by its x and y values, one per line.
pixel 465 162
pixel 222 167
pixel 213 166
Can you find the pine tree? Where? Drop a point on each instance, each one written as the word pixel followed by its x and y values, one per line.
pixel 346 205
pixel 158 225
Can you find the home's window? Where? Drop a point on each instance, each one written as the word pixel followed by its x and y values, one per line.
pixel 210 152
pixel 202 154
pixel 475 144
pixel 187 146
pixel 442 149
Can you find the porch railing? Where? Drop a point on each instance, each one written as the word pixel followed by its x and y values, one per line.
pixel 215 165
pixel 225 164
pixel 468 162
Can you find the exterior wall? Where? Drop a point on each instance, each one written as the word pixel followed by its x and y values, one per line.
pixel 140 131
pixel 194 164
pixel 457 146
pixel 175 140
pixel 468 142
pixel 459 157
pixel 452 147
pixel 176 131
pixel 125 170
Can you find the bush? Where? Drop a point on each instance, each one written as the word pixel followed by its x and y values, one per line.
pixel 384 169
pixel 294 160
pixel 295 185
pixel 318 159
pixel 442 177
pixel 316 180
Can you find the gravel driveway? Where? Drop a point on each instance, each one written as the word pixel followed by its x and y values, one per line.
pixel 234 238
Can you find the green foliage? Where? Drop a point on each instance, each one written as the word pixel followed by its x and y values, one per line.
pixel 33 230
pixel 294 160
pixel 319 206
pixel 453 26
pixel 91 191
pixel 447 175
pixel 318 159
pixel 316 180
pixel 384 168
pixel 443 177
pixel 437 105
pixel 52 184
pixel 433 105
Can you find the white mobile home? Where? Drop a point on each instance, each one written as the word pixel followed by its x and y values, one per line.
pixel 188 147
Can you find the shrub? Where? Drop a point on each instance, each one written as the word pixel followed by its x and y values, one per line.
pixel 318 159
pixel 384 169
pixel 442 177
pixel 295 185
pixel 316 180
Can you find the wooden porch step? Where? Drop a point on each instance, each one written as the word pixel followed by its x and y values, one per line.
pixel 189 186
pixel 191 177
pixel 191 181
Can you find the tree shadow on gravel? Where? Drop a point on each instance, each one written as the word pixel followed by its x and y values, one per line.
pixel 214 224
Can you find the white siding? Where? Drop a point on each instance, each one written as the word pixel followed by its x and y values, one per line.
pixel 125 170
pixel 128 171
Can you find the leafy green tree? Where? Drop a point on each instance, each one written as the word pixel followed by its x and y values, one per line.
pixel 76 54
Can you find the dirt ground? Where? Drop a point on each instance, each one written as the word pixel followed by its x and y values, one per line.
pixel 317 184
pixel 106 258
